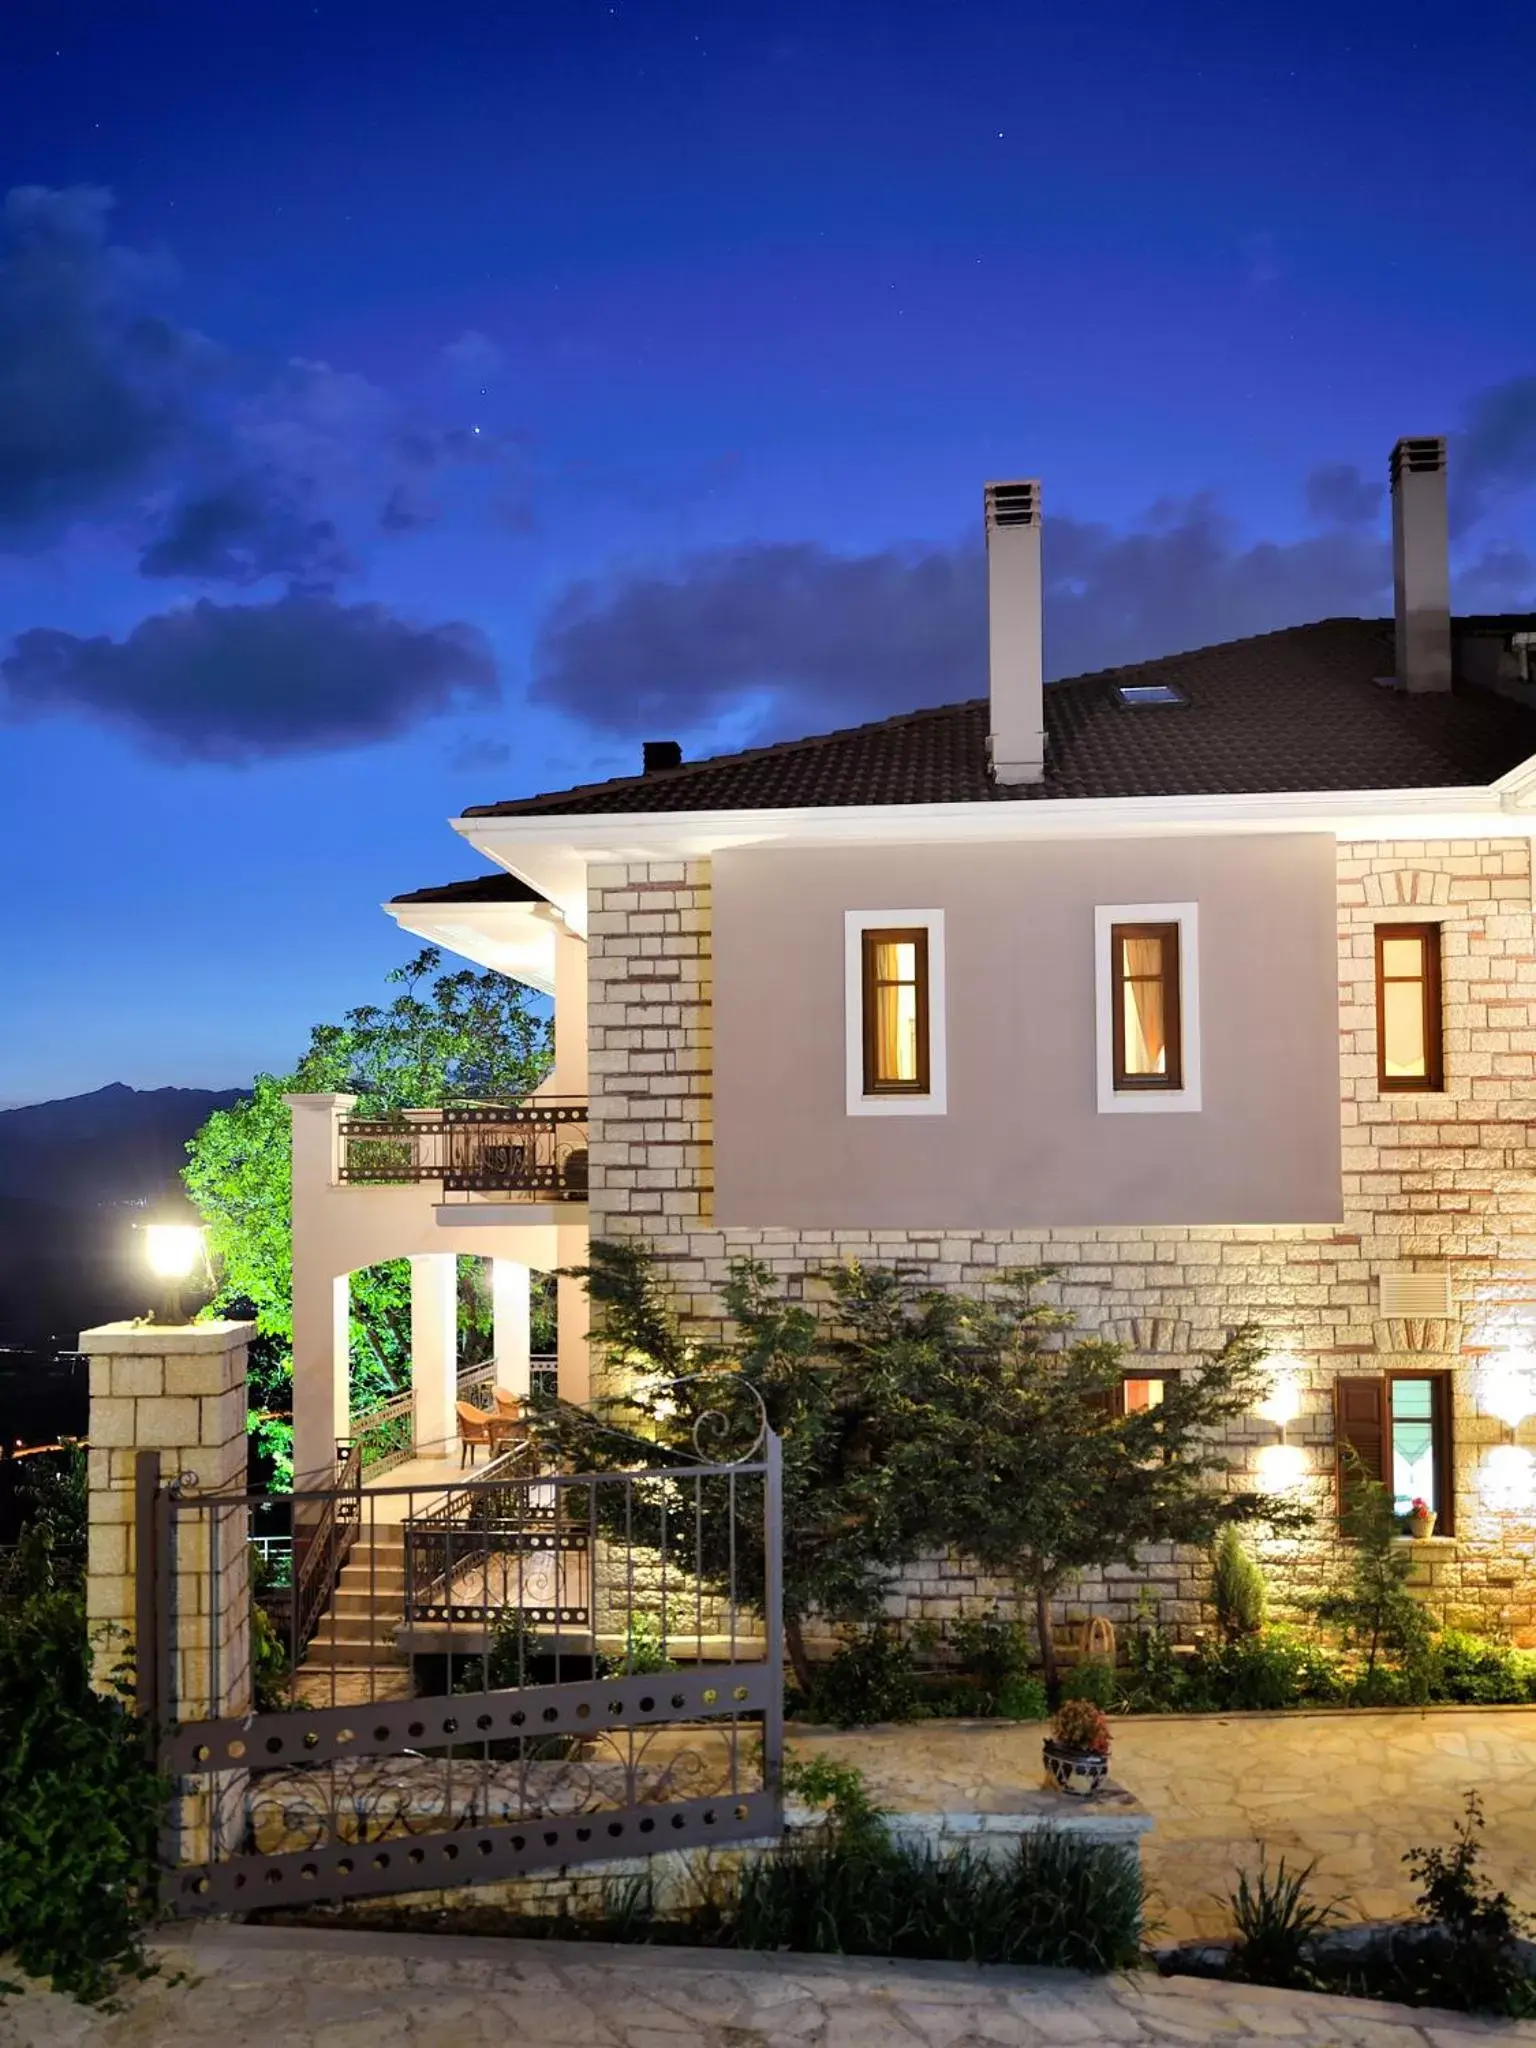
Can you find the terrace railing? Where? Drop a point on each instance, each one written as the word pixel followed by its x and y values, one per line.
pixel 537 1147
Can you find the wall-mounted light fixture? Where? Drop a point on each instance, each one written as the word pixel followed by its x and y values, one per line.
pixel 1508 1388
pixel 1281 1464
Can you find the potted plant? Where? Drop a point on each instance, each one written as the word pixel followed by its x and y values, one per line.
pixel 1077 1749
pixel 1421 1519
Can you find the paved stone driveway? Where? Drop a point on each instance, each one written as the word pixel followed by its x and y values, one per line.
pixel 283 1988
pixel 1353 1790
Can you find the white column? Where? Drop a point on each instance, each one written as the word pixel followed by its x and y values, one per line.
pixel 571 1313
pixel 511 1320
pixel 321 1400
pixel 434 1350
pixel 570 1074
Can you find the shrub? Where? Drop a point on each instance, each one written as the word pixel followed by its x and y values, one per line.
pixel 1372 1603
pixel 1058 1901
pixel 1023 1699
pixel 644 1653
pixel 1093 1680
pixel 1468 1668
pixel 1476 1964
pixel 1237 1587
pixel 1080 1725
pixel 1276 1920
pixel 992 1648
pixel 872 1678
pixel 1155 1681
pixel 1265 1673
pixel 80 1805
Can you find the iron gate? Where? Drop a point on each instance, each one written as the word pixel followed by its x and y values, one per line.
pixel 519 1671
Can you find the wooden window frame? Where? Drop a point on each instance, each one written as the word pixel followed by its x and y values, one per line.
pixel 1171 1082
pixel 1442 1436
pixel 1432 1081
pixel 874 936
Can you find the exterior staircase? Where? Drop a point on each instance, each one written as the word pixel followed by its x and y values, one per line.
pixel 353 1653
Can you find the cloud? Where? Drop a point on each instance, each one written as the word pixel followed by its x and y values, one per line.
pixel 822 638
pixel 474 357
pixel 94 384
pixel 1494 455
pixel 227 467
pixel 1339 494
pixel 240 683
pixel 248 529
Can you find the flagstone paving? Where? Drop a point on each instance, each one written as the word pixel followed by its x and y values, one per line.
pixel 1353 1790
pixel 285 1988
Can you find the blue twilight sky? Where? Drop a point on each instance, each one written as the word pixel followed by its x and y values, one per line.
pixel 407 406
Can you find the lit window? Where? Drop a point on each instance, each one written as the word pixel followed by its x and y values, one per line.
pixel 1149 693
pixel 1138 1394
pixel 1147 1006
pixel 1396 1428
pixel 896 1012
pixel 1148 1052
pixel 1408 1043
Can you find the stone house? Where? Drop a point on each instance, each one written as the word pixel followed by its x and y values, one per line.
pixel 1210 982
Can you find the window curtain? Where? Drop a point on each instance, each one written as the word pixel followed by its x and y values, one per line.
pixel 1146 1042
pixel 896 1011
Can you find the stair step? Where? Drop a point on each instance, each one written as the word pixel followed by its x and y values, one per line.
pixel 328 1656
pixel 372 1575
pixel 356 1628
pixel 362 1602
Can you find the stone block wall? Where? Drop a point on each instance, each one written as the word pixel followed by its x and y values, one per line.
pixel 179 1391
pixel 1443 1182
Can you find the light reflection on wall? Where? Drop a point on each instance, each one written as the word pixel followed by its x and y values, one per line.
pixel 1282 1466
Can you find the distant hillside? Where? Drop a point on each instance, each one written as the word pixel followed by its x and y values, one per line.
pixel 115 1145
pixel 73 1176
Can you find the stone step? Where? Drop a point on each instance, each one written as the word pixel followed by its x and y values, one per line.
pixel 365 1574
pixel 325 1655
pixel 359 1601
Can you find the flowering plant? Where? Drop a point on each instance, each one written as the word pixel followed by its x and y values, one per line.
pixel 1080 1725
pixel 1419 1508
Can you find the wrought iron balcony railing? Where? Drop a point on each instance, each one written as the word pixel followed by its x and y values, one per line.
pixel 537 1148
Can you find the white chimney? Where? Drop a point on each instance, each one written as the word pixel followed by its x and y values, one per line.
pixel 1421 564
pixel 1017 678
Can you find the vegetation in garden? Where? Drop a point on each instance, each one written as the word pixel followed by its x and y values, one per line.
pixel 80 1801
pixel 1462 1952
pixel 1238 1592
pixel 1371 1605
pixel 444 1037
pixel 915 1419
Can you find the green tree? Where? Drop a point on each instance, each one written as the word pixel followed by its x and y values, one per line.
pixel 1371 1605
pixel 1027 1467
pixel 457 1036
pixel 838 1408
pixel 1238 1592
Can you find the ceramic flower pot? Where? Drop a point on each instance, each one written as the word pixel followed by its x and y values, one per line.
pixel 1420 1526
pixel 1078 1771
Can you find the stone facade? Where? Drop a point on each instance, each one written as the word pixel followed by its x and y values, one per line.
pixel 1434 1182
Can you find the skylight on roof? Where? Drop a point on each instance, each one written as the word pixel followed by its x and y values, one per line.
pixel 1149 693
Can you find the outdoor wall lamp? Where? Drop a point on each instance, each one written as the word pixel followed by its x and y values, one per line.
pixel 1282 1404
pixel 1508 1390
pixel 175 1254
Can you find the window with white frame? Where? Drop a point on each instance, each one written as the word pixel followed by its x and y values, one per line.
pixel 894 999
pixel 1147 990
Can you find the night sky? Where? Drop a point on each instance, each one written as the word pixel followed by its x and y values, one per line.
pixel 409 406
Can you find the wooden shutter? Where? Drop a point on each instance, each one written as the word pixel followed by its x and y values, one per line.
pixel 1360 1425
pixel 1445 1465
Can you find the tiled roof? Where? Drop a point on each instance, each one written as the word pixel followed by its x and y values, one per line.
pixel 1300 709
pixel 498 888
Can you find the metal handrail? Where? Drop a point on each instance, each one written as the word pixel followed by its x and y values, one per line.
pixel 536 1146
pixel 381 1442
pixel 321 1552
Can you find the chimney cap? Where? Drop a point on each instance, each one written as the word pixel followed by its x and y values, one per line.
pixel 656 754
pixel 1012 504
pixel 1416 453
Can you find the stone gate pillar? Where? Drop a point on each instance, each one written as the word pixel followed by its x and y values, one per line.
pixel 180 1391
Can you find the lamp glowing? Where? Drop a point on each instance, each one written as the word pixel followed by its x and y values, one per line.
pixel 1508 1392
pixel 173 1249
pixel 174 1253
pixel 1282 1466
pixel 1282 1404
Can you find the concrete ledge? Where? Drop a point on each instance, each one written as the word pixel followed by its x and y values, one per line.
pixel 118 1340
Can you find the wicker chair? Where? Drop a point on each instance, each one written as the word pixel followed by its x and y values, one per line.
pixel 474 1430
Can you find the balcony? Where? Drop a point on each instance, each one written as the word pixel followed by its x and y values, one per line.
pixel 535 1149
